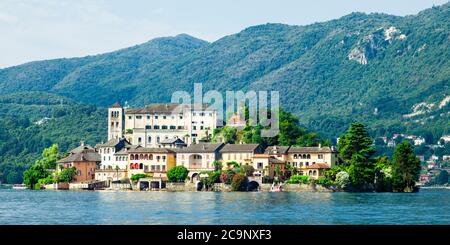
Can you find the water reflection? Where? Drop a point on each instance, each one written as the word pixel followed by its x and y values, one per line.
pixel 64 207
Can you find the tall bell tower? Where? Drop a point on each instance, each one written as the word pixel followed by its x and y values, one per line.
pixel 116 121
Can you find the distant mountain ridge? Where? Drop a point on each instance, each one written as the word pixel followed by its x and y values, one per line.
pixel 368 67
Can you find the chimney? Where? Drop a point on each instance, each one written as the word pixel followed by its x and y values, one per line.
pixel 320 145
pixel 82 143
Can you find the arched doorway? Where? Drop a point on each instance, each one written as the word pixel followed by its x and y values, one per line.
pixel 253 186
pixel 199 186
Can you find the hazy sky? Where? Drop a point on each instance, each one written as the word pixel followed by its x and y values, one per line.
pixel 44 29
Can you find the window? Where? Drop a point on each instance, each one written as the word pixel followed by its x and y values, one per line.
pixel 129 117
pixel 148 127
pixel 173 127
pixel 164 127
pixel 181 117
pixel 149 140
pixel 320 156
pixel 157 139
pixel 148 116
pixel 156 116
pixel 201 127
pixel 194 114
pixel 195 127
pixel 156 127
pixel 259 165
pixel 139 140
pixel 138 117
pixel 164 117
pixel 163 167
pixel 158 158
pixel 164 158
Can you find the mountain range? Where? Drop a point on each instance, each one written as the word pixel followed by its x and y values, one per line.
pixel 390 72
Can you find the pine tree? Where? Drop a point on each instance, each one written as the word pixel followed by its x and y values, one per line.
pixel 406 167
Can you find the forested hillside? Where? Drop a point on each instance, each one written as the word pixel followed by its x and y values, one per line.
pixel 390 72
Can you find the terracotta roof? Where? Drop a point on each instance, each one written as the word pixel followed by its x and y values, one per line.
pixel 172 141
pixel 275 149
pixel 317 166
pixel 81 148
pixel 275 160
pixel 87 155
pixel 202 148
pixel 116 105
pixel 125 150
pixel 294 149
pixel 163 108
pixel 112 143
pixel 150 150
pixel 240 148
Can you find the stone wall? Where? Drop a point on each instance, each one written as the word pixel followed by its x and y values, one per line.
pixel 181 186
pixel 120 186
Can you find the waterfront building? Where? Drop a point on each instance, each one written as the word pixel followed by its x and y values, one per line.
pixel 84 159
pixel 151 125
pixel 312 160
pixel 272 158
pixel 143 160
pixel 240 153
pixel 199 157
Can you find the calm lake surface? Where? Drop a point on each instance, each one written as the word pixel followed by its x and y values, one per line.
pixel 102 207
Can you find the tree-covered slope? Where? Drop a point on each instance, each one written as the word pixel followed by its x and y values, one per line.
pixel 32 121
pixel 376 68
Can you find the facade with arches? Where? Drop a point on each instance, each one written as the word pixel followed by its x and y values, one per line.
pixel 150 160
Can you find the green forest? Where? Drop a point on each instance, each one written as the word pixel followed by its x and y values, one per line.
pixel 390 72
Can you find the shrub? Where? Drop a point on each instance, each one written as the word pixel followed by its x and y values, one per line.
pixel 298 179
pixel 66 175
pixel 323 181
pixel 125 180
pixel 247 170
pixel 136 177
pixel 239 183
pixel 227 176
pixel 177 174
pixel 213 177
pixel 342 179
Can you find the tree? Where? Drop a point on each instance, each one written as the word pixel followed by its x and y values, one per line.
pixel 239 183
pixel 217 165
pixel 177 174
pixel 442 178
pixel 32 175
pixel 355 148
pixel 356 140
pixel 229 134
pixel 406 167
pixel 247 170
pixel 66 175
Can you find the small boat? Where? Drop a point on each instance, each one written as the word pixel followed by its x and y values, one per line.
pixel 20 187
pixel 276 188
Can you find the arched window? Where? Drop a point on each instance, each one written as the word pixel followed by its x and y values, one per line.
pixel 141 156
pixel 150 157
pixel 315 172
pixel 308 156
pixel 136 165
pixel 149 139
pixel 295 156
pixel 141 166
pixel 131 165
pixel 136 157
pixel 132 157
pixel 145 157
pixel 304 156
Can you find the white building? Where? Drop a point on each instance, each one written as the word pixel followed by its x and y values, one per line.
pixel 150 125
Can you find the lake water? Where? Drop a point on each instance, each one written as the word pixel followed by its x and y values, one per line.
pixel 102 207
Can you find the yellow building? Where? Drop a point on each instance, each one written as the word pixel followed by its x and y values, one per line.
pixel 240 153
pixel 312 160
pixel 150 161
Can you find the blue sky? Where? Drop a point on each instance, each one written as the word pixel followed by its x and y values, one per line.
pixel 45 29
